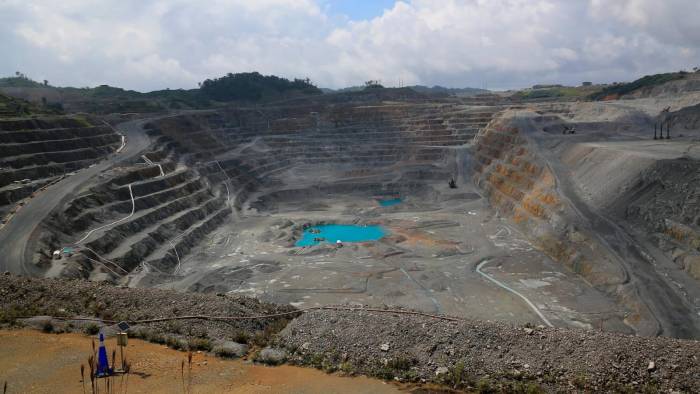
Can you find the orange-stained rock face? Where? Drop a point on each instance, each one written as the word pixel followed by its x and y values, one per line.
pixel 520 186
pixel 509 173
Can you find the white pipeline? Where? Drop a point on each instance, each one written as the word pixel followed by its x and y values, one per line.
pixel 133 209
pixel 500 284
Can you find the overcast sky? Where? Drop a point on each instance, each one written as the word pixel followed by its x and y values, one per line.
pixel 154 44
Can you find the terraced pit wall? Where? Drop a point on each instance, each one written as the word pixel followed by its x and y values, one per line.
pixel 172 212
pixel 219 163
pixel 35 152
pixel 358 146
pixel 519 183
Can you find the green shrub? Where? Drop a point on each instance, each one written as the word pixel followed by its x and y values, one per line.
pixel 484 386
pixel 347 368
pixel 200 344
pixel 47 326
pixel 92 329
pixel 241 337
pixel 401 363
pixel 457 374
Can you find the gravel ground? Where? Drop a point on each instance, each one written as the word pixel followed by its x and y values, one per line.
pixel 487 354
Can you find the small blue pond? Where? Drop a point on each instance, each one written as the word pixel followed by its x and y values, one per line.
pixel 343 232
pixel 390 202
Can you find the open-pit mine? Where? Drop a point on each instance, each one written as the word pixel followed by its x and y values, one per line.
pixel 554 213
pixel 564 214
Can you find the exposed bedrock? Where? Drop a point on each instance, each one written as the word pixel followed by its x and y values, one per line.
pixel 537 179
pixel 654 196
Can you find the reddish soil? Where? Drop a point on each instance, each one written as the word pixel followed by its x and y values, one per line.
pixel 34 362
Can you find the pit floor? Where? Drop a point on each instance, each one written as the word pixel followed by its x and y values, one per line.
pixel 428 262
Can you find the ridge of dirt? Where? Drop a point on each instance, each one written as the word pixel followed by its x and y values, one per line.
pixel 22 297
pixel 489 354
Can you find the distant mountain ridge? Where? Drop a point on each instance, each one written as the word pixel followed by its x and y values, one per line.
pixel 240 87
pixel 454 91
pixel 420 89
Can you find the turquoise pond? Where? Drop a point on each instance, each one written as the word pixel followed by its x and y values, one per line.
pixel 390 202
pixel 342 232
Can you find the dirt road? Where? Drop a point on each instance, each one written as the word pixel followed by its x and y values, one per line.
pixel 33 362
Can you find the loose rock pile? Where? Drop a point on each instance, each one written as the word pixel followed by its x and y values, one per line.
pixel 24 297
pixel 488 353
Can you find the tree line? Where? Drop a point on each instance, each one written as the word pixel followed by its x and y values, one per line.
pixel 253 86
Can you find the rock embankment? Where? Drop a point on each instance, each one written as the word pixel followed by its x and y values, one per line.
pixel 480 354
pixel 24 297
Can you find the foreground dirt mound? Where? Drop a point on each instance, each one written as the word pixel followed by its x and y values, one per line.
pixel 385 344
pixel 486 354
pixel 24 297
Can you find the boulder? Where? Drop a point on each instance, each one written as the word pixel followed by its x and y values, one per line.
pixel 272 356
pixel 230 349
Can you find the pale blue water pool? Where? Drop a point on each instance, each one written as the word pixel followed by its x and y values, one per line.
pixel 390 202
pixel 343 232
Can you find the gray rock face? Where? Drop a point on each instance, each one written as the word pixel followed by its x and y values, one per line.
pixel 230 349
pixel 272 356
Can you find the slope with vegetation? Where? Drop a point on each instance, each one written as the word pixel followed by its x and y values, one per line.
pixel 640 87
pixel 11 107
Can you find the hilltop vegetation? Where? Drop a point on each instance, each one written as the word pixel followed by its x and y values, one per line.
pixel 648 81
pixel 247 87
pixel 21 81
pixel 556 91
pixel 441 90
pixel 253 87
pixel 462 92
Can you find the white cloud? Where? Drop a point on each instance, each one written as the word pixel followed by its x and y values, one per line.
pixel 153 44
